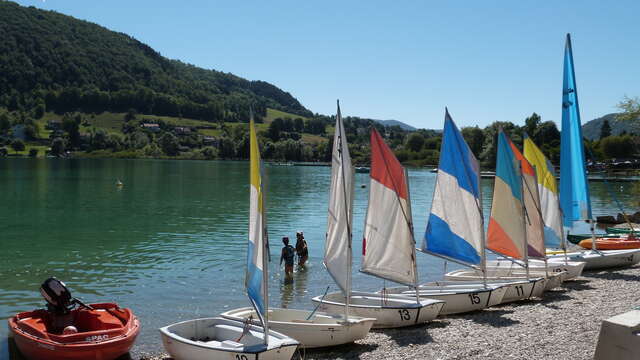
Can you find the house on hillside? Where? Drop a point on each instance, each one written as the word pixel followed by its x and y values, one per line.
pixel 209 141
pixel 54 124
pixel 150 126
pixel 182 130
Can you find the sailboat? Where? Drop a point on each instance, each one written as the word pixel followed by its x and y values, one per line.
pixel 388 250
pixel 317 329
pixel 221 338
pixel 507 232
pixel 455 230
pixel 575 201
pixel 549 206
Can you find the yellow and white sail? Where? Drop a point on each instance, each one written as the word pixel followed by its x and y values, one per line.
pixel 548 192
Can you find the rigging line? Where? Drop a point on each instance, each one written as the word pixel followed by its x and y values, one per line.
pixel 611 193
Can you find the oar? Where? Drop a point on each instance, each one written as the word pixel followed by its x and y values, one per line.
pixel 317 306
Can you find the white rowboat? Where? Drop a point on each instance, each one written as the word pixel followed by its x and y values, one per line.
pixel 218 338
pixel 319 330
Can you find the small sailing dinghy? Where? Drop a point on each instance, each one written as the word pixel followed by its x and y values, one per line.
pixel 622 230
pixel 534 229
pixel 604 243
pixel 220 338
pixel 575 200
pixel 388 249
pixel 455 230
pixel 71 330
pixel 316 329
pixel 509 229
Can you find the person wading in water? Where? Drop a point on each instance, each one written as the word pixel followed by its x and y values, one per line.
pixel 287 255
pixel 301 248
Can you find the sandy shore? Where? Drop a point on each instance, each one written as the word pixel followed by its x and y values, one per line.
pixel 565 324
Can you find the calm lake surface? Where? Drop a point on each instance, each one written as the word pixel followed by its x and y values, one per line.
pixel 171 243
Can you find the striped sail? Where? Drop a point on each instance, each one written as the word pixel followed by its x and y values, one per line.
pixel 388 246
pixel 255 280
pixel 337 251
pixel 533 217
pixel 548 191
pixel 574 187
pixel 455 226
pixel 506 234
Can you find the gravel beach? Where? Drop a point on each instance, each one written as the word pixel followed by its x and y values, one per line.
pixel 565 324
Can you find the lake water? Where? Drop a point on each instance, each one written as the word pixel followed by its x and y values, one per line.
pixel 171 243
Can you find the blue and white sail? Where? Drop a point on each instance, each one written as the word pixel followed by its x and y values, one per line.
pixel 256 276
pixel 574 187
pixel 455 227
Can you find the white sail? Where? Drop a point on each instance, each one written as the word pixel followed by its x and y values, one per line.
pixel 388 246
pixel 337 251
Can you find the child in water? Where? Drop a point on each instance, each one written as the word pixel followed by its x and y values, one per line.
pixel 301 248
pixel 288 253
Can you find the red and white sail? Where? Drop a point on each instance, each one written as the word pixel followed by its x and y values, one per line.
pixel 388 246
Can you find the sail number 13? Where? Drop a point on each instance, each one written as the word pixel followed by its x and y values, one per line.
pixel 404 314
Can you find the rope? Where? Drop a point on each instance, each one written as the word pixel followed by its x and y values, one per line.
pixel 613 195
pixel 246 327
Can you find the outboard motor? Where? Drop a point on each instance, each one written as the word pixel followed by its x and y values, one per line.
pixel 58 296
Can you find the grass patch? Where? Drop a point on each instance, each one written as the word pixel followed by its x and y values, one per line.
pixel 273 114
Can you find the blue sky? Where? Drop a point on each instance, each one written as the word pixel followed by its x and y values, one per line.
pixel 405 60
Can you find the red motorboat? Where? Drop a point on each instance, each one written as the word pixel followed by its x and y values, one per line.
pixel 90 332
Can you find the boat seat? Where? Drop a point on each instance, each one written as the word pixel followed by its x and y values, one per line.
pixel 93 320
pixel 230 344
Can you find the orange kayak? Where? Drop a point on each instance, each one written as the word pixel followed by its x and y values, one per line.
pixel 612 243
pixel 105 332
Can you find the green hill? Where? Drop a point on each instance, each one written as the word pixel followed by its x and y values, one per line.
pixel 591 129
pixel 65 64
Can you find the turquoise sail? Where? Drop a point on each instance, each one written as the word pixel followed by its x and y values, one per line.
pixel 574 187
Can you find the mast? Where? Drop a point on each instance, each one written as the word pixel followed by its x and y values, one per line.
pixel 413 248
pixel 483 244
pixel 348 212
pixel 524 220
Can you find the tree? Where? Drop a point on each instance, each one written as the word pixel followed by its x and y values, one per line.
pixel 33 152
pixel 630 109
pixel 605 129
pixel 17 145
pixel 57 146
pixel 415 142
pixel 71 124
pixel 169 144
pixel 617 146
pixel 5 123
pixel 474 138
pixel 130 115
pixel 531 124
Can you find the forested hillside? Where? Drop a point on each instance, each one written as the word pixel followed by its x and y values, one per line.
pixel 64 64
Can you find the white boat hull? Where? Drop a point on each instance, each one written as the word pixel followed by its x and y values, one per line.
pixel 389 312
pixel 320 330
pixel 218 338
pixel 572 268
pixel 517 288
pixel 601 259
pixel 458 299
